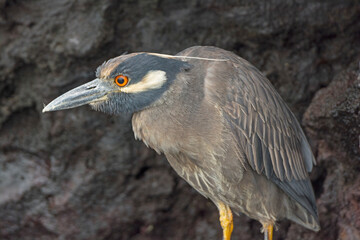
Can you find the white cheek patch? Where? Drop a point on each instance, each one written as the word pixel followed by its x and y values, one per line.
pixel 152 80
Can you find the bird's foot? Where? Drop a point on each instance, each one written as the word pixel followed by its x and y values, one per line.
pixel 268 230
pixel 226 220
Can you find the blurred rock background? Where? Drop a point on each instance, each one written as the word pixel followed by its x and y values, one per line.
pixel 80 174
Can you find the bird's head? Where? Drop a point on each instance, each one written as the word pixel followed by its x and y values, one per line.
pixel 127 83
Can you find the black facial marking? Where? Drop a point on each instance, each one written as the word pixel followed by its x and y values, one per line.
pixel 135 68
pixel 138 66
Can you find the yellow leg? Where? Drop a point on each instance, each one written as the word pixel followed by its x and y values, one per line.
pixel 268 231
pixel 226 220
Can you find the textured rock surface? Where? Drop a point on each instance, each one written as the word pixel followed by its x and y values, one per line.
pixel 80 174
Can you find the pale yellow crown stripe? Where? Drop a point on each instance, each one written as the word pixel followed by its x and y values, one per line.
pixel 186 57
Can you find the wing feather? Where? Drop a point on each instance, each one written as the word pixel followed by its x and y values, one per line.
pixel 263 120
pixel 268 134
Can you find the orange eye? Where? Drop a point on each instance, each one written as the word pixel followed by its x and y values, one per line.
pixel 121 80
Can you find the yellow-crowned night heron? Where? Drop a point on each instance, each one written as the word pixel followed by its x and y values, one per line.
pixel 221 125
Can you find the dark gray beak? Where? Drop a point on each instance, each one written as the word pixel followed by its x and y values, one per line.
pixel 90 92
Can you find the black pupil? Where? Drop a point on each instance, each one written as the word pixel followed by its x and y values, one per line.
pixel 120 80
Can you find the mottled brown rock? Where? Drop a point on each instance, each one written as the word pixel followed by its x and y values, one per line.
pixel 79 174
pixel 333 123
